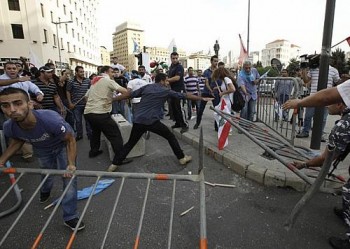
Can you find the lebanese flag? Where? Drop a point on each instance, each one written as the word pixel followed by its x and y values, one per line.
pixel 224 126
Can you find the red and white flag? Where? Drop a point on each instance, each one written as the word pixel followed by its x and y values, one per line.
pixel 348 40
pixel 224 126
pixel 243 53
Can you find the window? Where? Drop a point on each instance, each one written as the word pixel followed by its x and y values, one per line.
pixel 76 20
pixel 14 5
pixel 75 5
pixel 62 44
pixel 45 36
pixel 57 3
pixel 17 31
pixel 73 34
pixel 74 49
pixel 66 28
pixel 71 15
pixel 51 13
pixel 78 37
pixel 42 10
pixel 64 9
pixel 68 47
pixel 54 40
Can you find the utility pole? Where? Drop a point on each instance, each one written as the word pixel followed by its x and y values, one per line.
pixel 58 41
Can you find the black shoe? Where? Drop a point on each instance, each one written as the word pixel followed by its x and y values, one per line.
pixel 126 161
pixel 73 223
pixel 323 139
pixel 195 127
pixel 338 243
pixel 302 135
pixel 184 129
pixel 95 153
pixel 175 126
pixel 44 197
pixel 78 138
pixel 339 213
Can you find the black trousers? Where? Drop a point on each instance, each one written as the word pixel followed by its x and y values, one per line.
pixel 157 128
pixel 177 112
pixel 104 123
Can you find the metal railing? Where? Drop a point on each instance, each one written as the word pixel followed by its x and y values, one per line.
pixel 199 178
pixel 269 109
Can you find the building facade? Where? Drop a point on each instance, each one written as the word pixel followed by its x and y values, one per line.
pixel 282 50
pixel 105 56
pixel 128 40
pixel 28 29
pixel 198 60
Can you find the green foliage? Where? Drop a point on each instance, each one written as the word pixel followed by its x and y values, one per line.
pixel 338 61
pixel 293 65
pixel 273 71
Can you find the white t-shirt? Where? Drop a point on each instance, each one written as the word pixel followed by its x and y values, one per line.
pixel 119 66
pixel 344 91
pixel 135 84
pixel 147 78
pixel 228 97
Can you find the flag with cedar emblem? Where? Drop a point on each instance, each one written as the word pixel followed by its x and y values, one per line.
pixel 224 126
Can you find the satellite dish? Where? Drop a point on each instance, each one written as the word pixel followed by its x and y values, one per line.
pixel 276 63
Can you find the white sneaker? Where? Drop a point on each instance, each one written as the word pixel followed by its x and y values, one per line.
pixel 112 168
pixel 185 160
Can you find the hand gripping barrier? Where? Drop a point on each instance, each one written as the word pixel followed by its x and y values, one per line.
pixel 199 178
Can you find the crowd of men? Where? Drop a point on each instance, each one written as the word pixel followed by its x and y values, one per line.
pixel 52 108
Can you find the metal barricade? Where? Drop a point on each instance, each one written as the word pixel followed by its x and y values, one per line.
pixel 269 109
pixel 199 178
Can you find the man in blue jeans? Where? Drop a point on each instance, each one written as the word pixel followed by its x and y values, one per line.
pixel 76 90
pixel 53 142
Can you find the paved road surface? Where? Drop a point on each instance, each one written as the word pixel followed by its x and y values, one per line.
pixel 248 216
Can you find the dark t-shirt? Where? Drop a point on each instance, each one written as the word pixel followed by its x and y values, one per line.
pixel 49 131
pixel 174 70
pixel 153 97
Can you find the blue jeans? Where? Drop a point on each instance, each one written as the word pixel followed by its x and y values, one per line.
pixel 309 114
pixel 195 103
pixel 249 110
pixel 56 158
pixel 78 112
pixel 202 105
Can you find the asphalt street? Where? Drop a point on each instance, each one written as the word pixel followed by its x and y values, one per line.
pixel 247 216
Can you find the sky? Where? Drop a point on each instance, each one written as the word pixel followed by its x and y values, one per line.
pixel 196 24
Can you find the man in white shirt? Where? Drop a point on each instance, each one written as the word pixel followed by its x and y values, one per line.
pixel 144 75
pixel 115 64
pixel 133 85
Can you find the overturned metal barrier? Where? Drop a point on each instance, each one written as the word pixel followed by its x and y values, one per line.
pixel 124 176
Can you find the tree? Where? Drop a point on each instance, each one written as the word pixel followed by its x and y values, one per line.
pixel 293 65
pixel 338 61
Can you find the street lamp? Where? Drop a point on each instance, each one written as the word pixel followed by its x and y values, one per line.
pixel 58 41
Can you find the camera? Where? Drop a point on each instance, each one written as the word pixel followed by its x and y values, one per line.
pixel 311 61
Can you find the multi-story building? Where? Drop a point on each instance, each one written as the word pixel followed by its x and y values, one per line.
pixel 128 40
pixel 198 60
pixel 254 57
pixel 282 50
pixel 105 57
pixel 61 31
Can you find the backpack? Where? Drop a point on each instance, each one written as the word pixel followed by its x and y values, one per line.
pixel 238 101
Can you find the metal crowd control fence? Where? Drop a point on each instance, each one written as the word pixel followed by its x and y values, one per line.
pixel 14 185
pixel 199 178
pixel 269 107
pixel 257 135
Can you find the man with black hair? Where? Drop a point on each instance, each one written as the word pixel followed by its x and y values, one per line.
pixel 144 75
pixel 97 112
pixel 310 78
pixel 76 90
pixel 176 80
pixel 148 115
pixel 53 142
pixel 210 90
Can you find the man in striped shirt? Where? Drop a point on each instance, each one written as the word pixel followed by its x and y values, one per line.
pixel 76 90
pixel 51 99
pixel 191 87
pixel 311 78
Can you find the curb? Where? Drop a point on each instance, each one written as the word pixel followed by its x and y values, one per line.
pixel 247 169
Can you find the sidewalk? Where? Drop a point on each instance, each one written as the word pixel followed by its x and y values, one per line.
pixel 245 158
